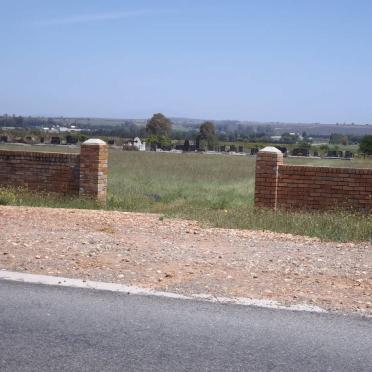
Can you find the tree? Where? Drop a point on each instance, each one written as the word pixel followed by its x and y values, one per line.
pixel 365 146
pixel 159 125
pixel 159 140
pixel 18 121
pixel 208 132
pixel 289 138
pixel 324 148
pixel 304 144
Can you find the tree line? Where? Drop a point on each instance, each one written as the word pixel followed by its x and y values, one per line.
pixel 224 131
pixel 159 129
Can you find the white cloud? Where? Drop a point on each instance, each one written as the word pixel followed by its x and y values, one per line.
pixel 87 18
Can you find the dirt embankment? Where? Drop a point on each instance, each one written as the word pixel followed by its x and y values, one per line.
pixel 180 256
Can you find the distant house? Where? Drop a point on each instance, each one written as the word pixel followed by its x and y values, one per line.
pixel 135 143
pixel 141 146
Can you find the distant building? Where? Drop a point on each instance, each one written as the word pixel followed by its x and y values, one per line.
pixel 136 143
pixel 71 129
pixel 58 129
pixel 275 138
pixel 141 146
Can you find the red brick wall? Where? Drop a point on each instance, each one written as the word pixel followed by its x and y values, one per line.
pixel 307 187
pixel 83 174
pixel 324 187
pixel 51 172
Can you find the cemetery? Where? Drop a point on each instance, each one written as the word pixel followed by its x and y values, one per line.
pixel 186 146
pixel 186 186
pixel 216 189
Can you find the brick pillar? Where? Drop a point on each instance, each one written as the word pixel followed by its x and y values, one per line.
pixel 267 165
pixel 93 170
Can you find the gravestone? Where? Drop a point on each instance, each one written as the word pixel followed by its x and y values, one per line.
pixel 300 152
pixel 349 155
pixel 55 141
pixel 71 140
pixel 331 154
pixel 282 149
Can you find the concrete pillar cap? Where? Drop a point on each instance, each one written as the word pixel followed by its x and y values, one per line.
pixel 94 141
pixel 271 149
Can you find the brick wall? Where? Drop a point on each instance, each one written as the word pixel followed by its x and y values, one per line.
pixel 306 187
pixel 83 174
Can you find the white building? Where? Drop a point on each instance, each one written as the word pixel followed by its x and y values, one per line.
pixel 141 146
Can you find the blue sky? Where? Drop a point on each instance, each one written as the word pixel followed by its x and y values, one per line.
pixel 278 60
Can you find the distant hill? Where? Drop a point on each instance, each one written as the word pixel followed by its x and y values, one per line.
pixel 187 124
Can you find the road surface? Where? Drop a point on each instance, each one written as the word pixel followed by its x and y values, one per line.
pixel 46 328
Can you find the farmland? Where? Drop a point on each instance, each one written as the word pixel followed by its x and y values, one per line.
pixel 216 190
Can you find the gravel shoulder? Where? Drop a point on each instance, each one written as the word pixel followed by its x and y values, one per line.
pixel 181 256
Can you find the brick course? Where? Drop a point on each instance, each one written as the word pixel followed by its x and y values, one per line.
pixel 40 171
pixel 308 187
pixel 83 174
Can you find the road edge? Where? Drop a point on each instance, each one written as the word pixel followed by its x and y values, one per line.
pixel 133 290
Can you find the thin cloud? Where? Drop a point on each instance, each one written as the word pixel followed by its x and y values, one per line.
pixel 87 18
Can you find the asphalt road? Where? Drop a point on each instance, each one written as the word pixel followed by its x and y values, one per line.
pixel 45 328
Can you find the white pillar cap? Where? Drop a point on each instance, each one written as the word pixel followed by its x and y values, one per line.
pixel 94 141
pixel 271 149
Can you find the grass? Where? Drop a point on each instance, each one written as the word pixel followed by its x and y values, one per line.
pixel 216 190
pixel 355 163
pixel 37 148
